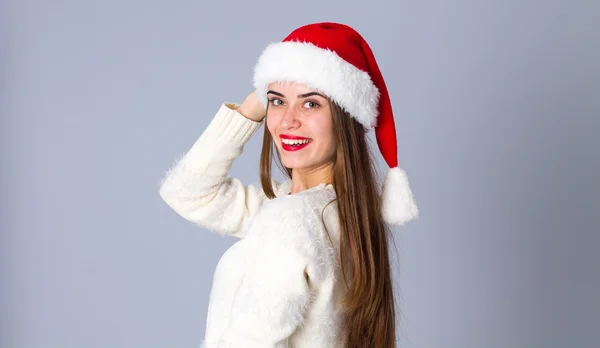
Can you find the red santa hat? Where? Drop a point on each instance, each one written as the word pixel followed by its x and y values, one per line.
pixel 335 59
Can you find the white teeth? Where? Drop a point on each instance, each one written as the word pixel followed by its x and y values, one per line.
pixel 294 142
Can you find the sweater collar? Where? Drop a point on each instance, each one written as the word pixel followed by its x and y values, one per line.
pixel 286 186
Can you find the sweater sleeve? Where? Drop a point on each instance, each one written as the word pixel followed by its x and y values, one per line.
pixel 275 292
pixel 197 187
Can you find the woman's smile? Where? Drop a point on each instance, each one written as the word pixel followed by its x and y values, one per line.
pixel 293 142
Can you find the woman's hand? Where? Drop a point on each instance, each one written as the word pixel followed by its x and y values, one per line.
pixel 252 108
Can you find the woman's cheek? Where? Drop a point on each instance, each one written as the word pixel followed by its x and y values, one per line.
pixel 270 126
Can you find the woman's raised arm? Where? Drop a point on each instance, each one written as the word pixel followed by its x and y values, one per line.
pixel 197 186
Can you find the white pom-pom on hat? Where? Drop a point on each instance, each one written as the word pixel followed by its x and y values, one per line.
pixel 398 203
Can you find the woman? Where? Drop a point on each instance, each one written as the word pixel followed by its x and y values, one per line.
pixel 311 268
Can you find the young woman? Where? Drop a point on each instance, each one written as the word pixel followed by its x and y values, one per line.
pixel 311 268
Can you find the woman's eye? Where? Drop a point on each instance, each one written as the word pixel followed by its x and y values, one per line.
pixel 311 104
pixel 275 101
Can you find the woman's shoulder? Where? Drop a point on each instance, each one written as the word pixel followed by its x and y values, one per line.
pixel 298 223
pixel 313 199
pixel 308 212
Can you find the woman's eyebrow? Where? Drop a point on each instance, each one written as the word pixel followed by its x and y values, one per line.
pixel 299 95
pixel 311 93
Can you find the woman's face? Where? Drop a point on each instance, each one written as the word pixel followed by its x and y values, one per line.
pixel 298 113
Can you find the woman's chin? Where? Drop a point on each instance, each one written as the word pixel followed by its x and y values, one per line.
pixel 290 165
pixel 293 165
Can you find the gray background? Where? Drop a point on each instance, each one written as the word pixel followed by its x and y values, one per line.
pixel 497 105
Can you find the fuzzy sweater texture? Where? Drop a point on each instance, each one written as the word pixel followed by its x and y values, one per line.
pixel 279 284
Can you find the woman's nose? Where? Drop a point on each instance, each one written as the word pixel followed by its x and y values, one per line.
pixel 290 118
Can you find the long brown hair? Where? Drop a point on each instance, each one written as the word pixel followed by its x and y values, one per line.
pixel 369 304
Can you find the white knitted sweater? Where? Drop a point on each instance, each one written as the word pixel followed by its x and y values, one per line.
pixel 278 285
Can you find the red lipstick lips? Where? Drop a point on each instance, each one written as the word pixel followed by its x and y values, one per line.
pixel 293 147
